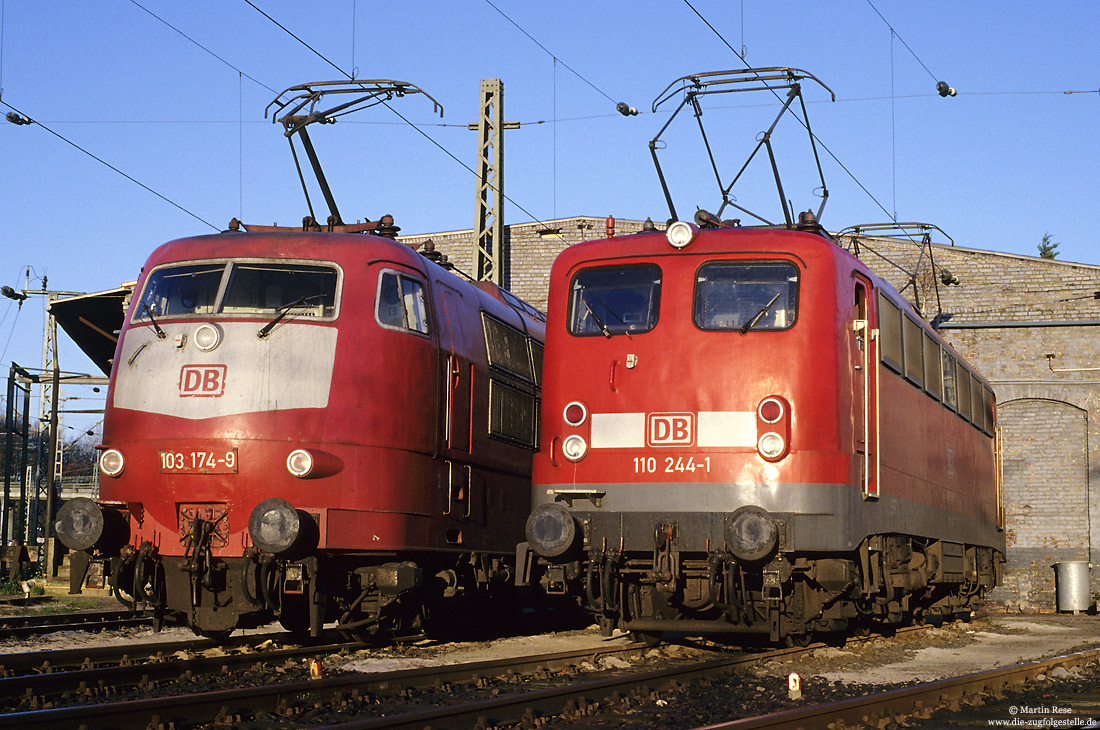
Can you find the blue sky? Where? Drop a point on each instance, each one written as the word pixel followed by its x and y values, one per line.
pixel 1009 159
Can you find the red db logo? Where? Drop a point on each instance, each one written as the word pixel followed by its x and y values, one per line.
pixel 670 429
pixel 203 381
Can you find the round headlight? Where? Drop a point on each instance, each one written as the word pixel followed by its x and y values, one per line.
pixel 575 413
pixel 574 448
pixel 770 445
pixel 751 533
pixel 207 337
pixel 111 462
pixel 550 530
pixel 680 234
pixel 299 463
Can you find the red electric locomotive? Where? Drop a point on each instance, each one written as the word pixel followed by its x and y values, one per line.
pixel 745 430
pixel 313 427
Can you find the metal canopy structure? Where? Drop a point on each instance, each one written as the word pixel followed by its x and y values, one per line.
pixel 93 322
pixel 773 79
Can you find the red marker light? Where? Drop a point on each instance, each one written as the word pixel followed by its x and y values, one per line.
pixel 770 410
pixel 575 413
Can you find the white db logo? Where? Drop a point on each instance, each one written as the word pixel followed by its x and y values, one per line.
pixel 670 429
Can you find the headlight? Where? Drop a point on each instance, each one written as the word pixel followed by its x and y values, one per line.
pixel 680 234
pixel 207 337
pixel 299 463
pixel 111 462
pixel 770 445
pixel 550 530
pixel 574 448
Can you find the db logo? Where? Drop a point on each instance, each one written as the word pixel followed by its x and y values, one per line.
pixel 204 381
pixel 670 429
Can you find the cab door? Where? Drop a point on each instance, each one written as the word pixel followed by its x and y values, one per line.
pixel 863 343
pixel 456 382
pixel 456 367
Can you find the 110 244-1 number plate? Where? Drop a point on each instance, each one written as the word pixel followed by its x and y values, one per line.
pixel 198 461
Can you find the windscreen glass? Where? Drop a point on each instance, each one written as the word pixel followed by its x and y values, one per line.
pixel 262 289
pixel 746 295
pixel 269 288
pixel 181 290
pixel 610 301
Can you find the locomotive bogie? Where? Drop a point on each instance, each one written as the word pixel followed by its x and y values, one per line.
pixel 763 440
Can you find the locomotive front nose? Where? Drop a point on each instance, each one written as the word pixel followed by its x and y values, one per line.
pixel 751 534
pixel 550 530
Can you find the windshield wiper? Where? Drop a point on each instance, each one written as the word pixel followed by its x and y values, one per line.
pixel 606 330
pixel 284 310
pixel 603 327
pixel 156 327
pixel 756 318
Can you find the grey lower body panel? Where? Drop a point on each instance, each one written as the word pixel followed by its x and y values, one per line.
pixel 813 517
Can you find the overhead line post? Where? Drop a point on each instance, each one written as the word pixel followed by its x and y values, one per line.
pixel 491 248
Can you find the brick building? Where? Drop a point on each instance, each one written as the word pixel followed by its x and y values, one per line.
pixel 1007 315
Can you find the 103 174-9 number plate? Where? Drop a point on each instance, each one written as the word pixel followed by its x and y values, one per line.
pixel 198 461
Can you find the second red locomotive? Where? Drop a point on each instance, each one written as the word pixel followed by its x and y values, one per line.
pixel 747 431
pixel 311 426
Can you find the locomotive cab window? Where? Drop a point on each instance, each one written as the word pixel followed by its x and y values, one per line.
pixel 269 288
pixel 180 290
pixel 743 296
pixel 240 288
pixel 402 303
pixel 611 301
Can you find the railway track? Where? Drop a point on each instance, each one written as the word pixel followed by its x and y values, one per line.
pixel 295 697
pixel 547 690
pixel 548 683
pixel 32 624
pixel 33 680
pixel 917 702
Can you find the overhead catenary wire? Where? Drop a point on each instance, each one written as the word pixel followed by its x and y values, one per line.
pixel 112 167
pixel 895 33
pixel 549 52
pixel 800 121
pixel 227 63
pixel 424 134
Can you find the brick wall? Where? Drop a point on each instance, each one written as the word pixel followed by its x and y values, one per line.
pixel 533 248
pixel 1006 314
